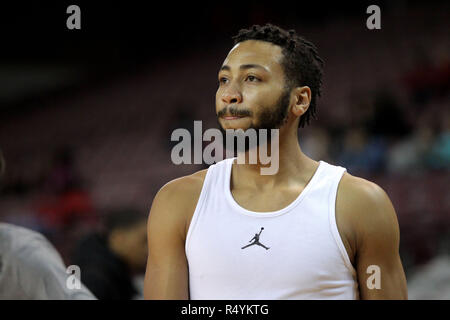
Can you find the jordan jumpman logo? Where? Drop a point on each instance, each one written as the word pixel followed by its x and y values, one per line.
pixel 256 238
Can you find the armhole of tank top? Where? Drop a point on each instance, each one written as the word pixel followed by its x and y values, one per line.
pixel 198 207
pixel 333 224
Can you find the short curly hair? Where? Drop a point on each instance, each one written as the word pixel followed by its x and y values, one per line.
pixel 301 63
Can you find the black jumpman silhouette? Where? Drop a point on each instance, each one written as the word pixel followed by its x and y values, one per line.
pixel 256 238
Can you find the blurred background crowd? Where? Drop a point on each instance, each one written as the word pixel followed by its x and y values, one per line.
pixel 86 118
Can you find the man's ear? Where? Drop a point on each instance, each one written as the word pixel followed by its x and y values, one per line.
pixel 302 98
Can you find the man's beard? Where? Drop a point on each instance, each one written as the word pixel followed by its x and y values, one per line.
pixel 268 119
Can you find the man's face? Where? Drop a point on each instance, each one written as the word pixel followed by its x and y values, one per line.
pixel 252 91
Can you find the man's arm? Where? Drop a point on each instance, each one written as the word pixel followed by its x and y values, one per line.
pixel 167 274
pixel 375 238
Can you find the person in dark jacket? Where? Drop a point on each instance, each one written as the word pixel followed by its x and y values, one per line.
pixel 109 260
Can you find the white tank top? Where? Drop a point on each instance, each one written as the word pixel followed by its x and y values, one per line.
pixel 292 253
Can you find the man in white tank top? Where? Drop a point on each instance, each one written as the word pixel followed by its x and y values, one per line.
pixel 310 231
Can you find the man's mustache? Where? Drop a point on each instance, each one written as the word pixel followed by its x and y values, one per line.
pixel 234 111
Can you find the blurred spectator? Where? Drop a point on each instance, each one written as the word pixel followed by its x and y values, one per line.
pixel 431 281
pixel 361 153
pixel 439 156
pixel 410 153
pixel 30 267
pixel 64 206
pixel 110 260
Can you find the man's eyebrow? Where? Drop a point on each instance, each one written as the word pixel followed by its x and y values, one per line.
pixel 252 66
pixel 244 67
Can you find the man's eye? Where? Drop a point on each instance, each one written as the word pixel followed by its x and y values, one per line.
pixel 252 79
pixel 223 80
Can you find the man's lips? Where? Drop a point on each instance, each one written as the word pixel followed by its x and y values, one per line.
pixel 232 117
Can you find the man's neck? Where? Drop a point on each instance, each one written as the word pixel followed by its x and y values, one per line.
pixel 294 167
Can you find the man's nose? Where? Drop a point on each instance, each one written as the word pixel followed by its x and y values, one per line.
pixel 232 95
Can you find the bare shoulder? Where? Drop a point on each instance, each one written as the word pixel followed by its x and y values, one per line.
pixel 357 192
pixel 183 188
pixel 364 209
pixel 175 202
